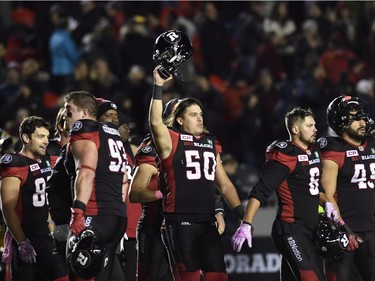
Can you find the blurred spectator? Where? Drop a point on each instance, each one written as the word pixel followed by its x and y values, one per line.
pixel 316 12
pixel 11 86
pixel 134 102
pixel 63 50
pixel 116 16
pixel 366 92
pixel 308 47
pixel 269 58
pixel 217 50
pixel 250 22
pixel 250 146
pixel 104 83
pixel 335 59
pixel 284 27
pixel 90 16
pixel 81 78
pixel 137 44
pixel 269 97
pixel 370 48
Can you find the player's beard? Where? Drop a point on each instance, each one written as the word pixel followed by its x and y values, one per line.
pixel 355 135
pixel 307 140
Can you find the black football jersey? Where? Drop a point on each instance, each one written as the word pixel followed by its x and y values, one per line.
pixel 106 196
pixel 53 149
pixel 298 193
pixel 32 205
pixel 189 173
pixel 151 211
pixel 355 180
pixel 60 193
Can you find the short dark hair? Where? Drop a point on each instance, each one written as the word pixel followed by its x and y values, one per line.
pixel 296 114
pixel 83 100
pixel 30 123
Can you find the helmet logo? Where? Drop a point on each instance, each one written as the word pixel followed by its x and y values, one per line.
pixel 172 37
pixel 344 240
pixel 83 258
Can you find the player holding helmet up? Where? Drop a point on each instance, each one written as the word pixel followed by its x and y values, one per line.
pixel 293 169
pixel 191 163
pixel 349 182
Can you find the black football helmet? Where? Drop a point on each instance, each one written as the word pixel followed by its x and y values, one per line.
pixel 331 240
pixel 87 255
pixel 171 48
pixel 338 113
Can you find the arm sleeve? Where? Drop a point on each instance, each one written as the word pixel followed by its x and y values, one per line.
pixel 272 175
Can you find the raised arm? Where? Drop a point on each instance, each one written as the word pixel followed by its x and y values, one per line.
pixel 159 130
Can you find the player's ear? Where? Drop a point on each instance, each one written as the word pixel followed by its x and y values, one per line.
pixel 179 120
pixel 295 130
pixel 85 113
pixel 25 138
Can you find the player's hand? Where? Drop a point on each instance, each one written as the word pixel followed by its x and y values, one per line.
pixel 331 212
pixel 8 247
pixel 27 251
pixel 244 232
pixel 60 232
pixel 158 79
pixel 77 221
pixel 220 223
pixel 354 239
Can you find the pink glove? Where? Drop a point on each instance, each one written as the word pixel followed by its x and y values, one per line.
pixel 27 252
pixel 8 248
pixel 77 221
pixel 242 233
pixel 331 212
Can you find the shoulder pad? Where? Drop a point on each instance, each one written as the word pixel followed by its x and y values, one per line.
pixel 84 126
pixel 278 145
pixel 146 150
pixel 330 143
pixel 12 160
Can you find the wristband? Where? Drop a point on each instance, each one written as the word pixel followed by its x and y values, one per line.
pixel 245 222
pixel 239 211
pixel 79 205
pixel 158 194
pixel 157 92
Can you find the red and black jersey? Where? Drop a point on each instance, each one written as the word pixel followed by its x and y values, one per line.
pixel 53 149
pixel 32 205
pixel 295 174
pixel 133 210
pixel 151 211
pixel 189 174
pixel 106 196
pixel 355 180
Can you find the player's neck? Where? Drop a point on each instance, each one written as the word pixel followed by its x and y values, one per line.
pixel 300 143
pixel 351 140
pixel 29 154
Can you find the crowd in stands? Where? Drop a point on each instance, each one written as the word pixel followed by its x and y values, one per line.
pixel 253 61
